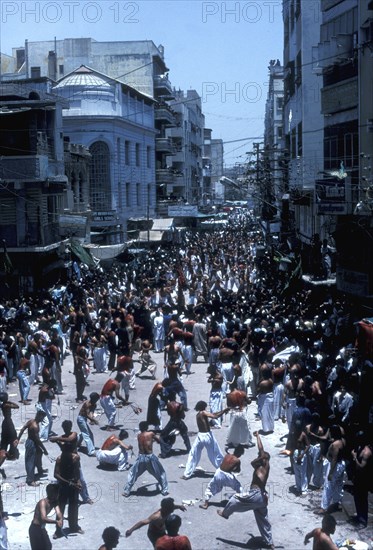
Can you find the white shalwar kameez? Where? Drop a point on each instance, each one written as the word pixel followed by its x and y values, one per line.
pixel 222 479
pixel 333 489
pixel 117 456
pixel 203 440
pixel 239 430
pixel 266 411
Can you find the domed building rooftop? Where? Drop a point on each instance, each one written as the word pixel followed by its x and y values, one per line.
pixel 83 77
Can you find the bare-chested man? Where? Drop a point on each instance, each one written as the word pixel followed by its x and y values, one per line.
pixel 146 461
pixel 34 448
pixel 225 476
pixel 110 390
pixel 321 535
pixel 86 414
pixel 156 521
pixel 37 532
pixel 204 439
pixel 115 451
pixel 333 483
pixel 292 387
pixel 257 498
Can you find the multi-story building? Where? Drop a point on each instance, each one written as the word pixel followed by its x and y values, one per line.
pixel 273 135
pixel 345 192
pixel 33 181
pixel 303 120
pixel 217 170
pixel 116 123
pixel 139 64
pixel 185 165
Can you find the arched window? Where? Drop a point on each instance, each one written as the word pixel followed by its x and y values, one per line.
pixel 99 177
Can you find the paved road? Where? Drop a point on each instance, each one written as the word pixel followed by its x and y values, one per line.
pixel 291 517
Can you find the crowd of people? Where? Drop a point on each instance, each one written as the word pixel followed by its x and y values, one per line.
pixel 293 353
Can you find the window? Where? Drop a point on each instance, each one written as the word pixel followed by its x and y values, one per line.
pixel 300 139
pixel 128 193
pixel 61 69
pixel 118 150
pixel 120 196
pixel 279 132
pixel 293 143
pixel 35 72
pixel 279 104
pixel 148 157
pixel 99 177
pixel 138 194
pixel 127 154
pixel 137 154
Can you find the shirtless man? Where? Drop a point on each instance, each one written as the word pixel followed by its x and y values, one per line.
pixel 257 498
pixel 321 536
pixel 156 521
pixel 86 414
pixel 114 451
pixel 292 387
pixel 67 473
pixel 300 458
pixel 34 448
pixel 110 390
pixel 333 483
pixel 176 423
pixel 37 532
pixel 110 536
pixel 225 476
pixel 204 439
pixel 146 461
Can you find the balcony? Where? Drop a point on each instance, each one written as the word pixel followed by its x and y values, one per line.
pixel 164 175
pixel 163 87
pixel 30 167
pixel 164 145
pixel 339 97
pixel 165 115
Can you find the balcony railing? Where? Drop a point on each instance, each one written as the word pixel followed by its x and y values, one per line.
pixel 339 97
pixel 164 176
pixel 164 145
pixel 163 87
pixel 165 115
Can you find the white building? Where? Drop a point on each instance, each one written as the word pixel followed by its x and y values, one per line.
pixel 303 120
pixel 116 123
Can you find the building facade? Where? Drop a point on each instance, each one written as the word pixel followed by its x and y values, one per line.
pixel 33 181
pixel 116 123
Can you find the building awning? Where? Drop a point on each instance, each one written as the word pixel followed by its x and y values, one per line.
pixel 151 236
pixel 82 254
pixel 162 224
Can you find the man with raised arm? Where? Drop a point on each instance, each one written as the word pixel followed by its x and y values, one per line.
pixel 257 498
pixel 204 439
pixel 156 521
